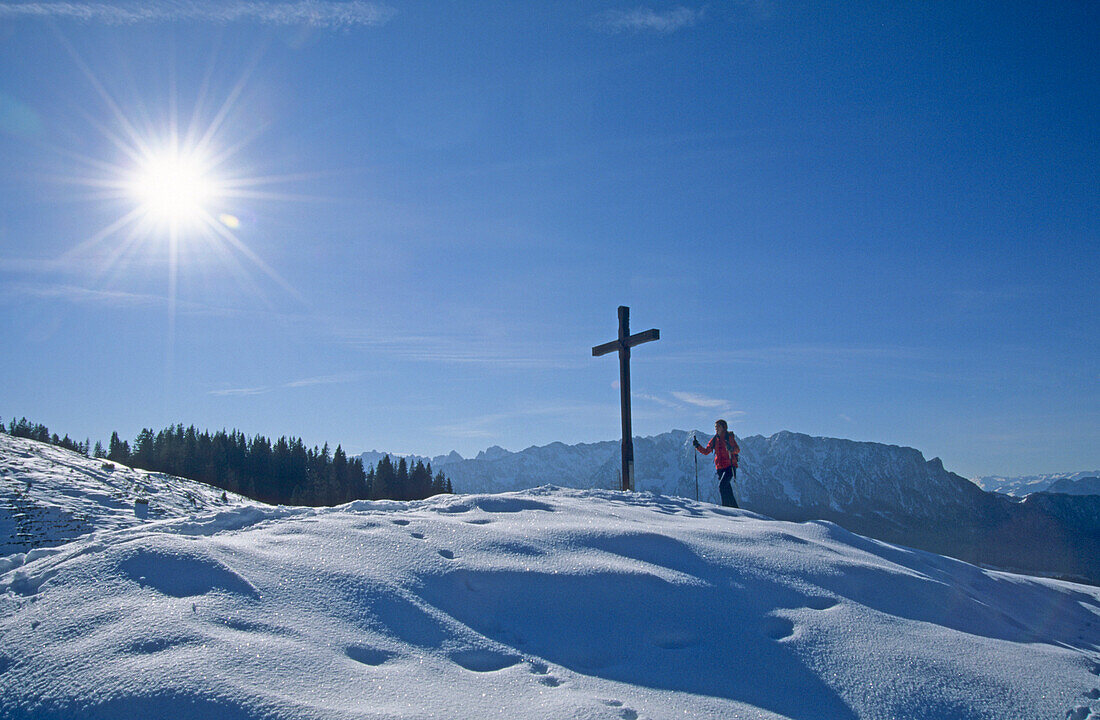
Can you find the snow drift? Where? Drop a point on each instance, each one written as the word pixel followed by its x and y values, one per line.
pixel 544 603
pixel 547 603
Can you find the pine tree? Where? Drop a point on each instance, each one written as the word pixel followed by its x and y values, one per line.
pixel 118 450
pixel 144 455
pixel 385 480
pixel 341 484
pixel 439 484
pixel 402 483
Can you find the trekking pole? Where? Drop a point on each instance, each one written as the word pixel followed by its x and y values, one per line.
pixel 693 452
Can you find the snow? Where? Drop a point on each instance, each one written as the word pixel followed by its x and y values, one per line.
pixel 549 602
pixel 49 495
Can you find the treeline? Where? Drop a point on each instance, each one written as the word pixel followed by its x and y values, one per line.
pixel 36 431
pixel 280 472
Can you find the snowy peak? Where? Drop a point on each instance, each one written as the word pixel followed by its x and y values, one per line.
pixel 451 457
pixel 495 452
pixel 372 457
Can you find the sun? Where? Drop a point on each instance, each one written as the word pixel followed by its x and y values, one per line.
pixel 175 187
pixel 178 187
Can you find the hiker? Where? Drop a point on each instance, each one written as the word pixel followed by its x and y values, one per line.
pixel 725 448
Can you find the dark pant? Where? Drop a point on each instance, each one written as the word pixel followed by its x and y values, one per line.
pixel 724 487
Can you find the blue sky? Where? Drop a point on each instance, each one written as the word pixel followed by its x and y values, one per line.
pixel 875 221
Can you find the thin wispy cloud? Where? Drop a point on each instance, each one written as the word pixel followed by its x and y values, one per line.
pixel 700 400
pixel 686 405
pixel 240 392
pixel 83 295
pixel 305 382
pixel 314 13
pixel 656 399
pixel 647 20
pixel 122 299
pixel 322 380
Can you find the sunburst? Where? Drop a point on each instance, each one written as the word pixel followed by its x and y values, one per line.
pixel 176 187
pixel 181 196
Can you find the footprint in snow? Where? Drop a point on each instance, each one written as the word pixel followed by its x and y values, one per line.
pixel 400 522
pixel 368 655
pixel 1093 694
pixel 777 628
pixel 447 554
pixel 417 535
pixel 821 602
pixel 624 712
pixel 484 661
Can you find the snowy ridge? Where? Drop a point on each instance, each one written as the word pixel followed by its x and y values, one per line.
pixel 889 492
pixel 49 495
pixel 806 471
pixel 548 603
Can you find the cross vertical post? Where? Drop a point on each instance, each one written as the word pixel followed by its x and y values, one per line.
pixel 623 345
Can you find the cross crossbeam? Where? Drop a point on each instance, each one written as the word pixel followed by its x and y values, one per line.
pixel 622 345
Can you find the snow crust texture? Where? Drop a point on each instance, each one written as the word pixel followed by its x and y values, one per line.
pixel 548 603
pixel 49 495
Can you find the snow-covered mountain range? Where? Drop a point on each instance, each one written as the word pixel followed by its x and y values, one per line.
pixel 1027 484
pixel 546 603
pixel 885 491
pixel 1079 486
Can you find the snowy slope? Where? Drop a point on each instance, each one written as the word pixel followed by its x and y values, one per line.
pixel 49 495
pixel 548 603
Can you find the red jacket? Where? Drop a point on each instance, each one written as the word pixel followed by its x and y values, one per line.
pixel 724 456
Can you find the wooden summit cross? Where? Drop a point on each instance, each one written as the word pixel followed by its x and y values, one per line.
pixel 623 345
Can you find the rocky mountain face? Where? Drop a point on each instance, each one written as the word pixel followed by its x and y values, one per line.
pixel 883 491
